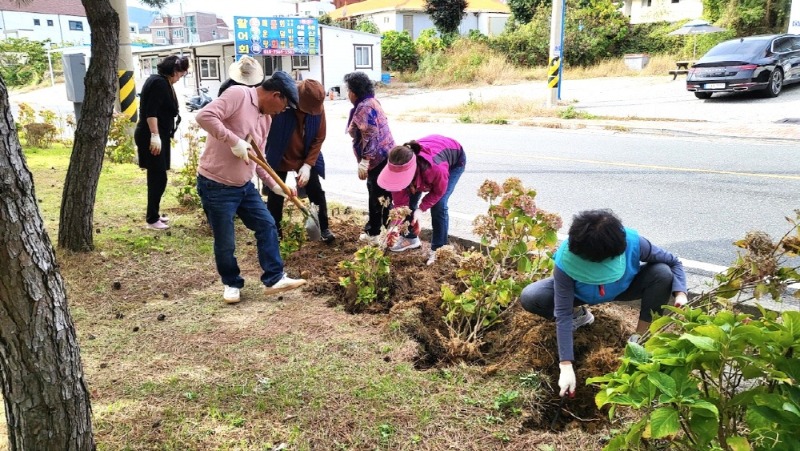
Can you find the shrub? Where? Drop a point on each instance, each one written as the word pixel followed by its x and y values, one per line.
pixel 398 51
pixel 187 177
pixel 294 235
pixel 40 135
pixel 368 274
pixel 120 147
pixel 31 71
pixel 715 381
pixel 26 115
pixel 368 26
pixel 517 243
pixel 428 42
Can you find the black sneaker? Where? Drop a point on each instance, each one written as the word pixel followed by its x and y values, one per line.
pixel 328 236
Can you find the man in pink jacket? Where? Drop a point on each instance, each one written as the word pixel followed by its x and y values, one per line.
pixel 225 173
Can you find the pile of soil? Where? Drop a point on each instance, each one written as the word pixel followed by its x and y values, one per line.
pixel 522 343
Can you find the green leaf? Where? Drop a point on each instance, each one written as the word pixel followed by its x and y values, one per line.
pixel 636 353
pixel 664 422
pixel 738 443
pixel 703 343
pixel 524 265
pixel 791 321
pixel 664 383
pixel 711 331
pixel 704 427
pixel 700 406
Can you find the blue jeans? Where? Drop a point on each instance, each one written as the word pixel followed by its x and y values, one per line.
pixel 440 219
pixel 221 203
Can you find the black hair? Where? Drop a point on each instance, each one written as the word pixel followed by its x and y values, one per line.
pixel 227 84
pixel 171 64
pixel 360 84
pixel 596 235
pixel 402 155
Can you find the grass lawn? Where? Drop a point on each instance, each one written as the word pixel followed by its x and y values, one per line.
pixel 171 367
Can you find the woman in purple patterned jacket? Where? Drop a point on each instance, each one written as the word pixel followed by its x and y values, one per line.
pixel 372 141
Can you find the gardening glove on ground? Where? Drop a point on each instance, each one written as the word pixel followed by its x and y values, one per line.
pixel 241 150
pixel 155 143
pixel 363 168
pixel 681 299
pixel 304 173
pixel 415 224
pixel 566 380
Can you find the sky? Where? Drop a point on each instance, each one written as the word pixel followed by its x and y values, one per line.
pixel 226 9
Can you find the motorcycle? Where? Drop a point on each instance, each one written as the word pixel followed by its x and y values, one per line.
pixel 199 101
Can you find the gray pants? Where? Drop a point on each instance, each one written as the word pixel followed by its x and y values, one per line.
pixel 653 285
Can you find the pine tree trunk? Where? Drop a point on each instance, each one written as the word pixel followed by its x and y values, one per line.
pixel 80 187
pixel 46 399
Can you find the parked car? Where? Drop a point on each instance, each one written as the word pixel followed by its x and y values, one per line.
pixel 766 62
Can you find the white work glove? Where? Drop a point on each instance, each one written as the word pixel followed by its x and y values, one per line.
pixel 277 190
pixel 304 174
pixel 241 150
pixel 363 168
pixel 415 225
pixel 566 380
pixel 681 299
pixel 155 143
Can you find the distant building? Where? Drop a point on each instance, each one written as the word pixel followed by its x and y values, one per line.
pixel 60 21
pixel 314 8
pixel 187 28
pixel 648 11
pixel 487 16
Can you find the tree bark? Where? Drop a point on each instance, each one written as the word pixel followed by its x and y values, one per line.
pixel 75 231
pixel 46 399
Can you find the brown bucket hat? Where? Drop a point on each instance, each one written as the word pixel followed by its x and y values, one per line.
pixel 312 94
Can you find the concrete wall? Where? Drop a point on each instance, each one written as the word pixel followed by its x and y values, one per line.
pixel 21 25
pixel 664 10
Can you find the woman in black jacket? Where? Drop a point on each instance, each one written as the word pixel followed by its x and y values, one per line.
pixel 156 127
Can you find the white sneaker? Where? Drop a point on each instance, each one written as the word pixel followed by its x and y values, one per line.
pixel 231 295
pixel 581 317
pixel 404 244
pixel 285 284
pixel 164 219
pixel 158 225
pixel 431 258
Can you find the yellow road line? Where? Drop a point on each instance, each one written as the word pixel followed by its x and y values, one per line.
pixel 653 166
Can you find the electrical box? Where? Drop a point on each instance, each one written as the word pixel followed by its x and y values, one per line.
pixel 74 74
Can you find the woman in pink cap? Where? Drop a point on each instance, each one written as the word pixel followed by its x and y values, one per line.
pixel 431 165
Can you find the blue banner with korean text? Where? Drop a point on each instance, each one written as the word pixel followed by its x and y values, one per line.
pixel 275 36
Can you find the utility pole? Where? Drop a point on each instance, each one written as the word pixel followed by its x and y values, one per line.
pixel 556 59
pixel 128 104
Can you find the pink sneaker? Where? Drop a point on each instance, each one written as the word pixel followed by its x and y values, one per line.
pixel 158 225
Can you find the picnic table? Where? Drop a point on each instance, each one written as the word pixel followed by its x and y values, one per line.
pixel 681 68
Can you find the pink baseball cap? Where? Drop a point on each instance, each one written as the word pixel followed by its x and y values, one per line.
pixel 397 177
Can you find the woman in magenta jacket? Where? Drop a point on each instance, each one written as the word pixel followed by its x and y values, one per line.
pixel 432 164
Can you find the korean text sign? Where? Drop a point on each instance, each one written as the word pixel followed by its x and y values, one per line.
pixel 275 36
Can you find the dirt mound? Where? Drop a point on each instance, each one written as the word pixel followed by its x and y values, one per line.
pixel 522 343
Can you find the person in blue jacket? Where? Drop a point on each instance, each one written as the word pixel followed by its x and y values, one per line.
pixel 602 261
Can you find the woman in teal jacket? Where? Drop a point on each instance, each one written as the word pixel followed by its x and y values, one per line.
pixel 602 261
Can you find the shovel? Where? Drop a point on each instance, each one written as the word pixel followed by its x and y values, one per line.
pixel 312 221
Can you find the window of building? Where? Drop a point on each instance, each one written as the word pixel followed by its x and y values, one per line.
pixel 408 24
pixel 300 62
pixel 161 33
pixel 386 19
pixel 76 25
pixel 363 56
pixel 36 22
pixel 209 68
pixel 177 33
pixel 132 29
pixel 49 23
